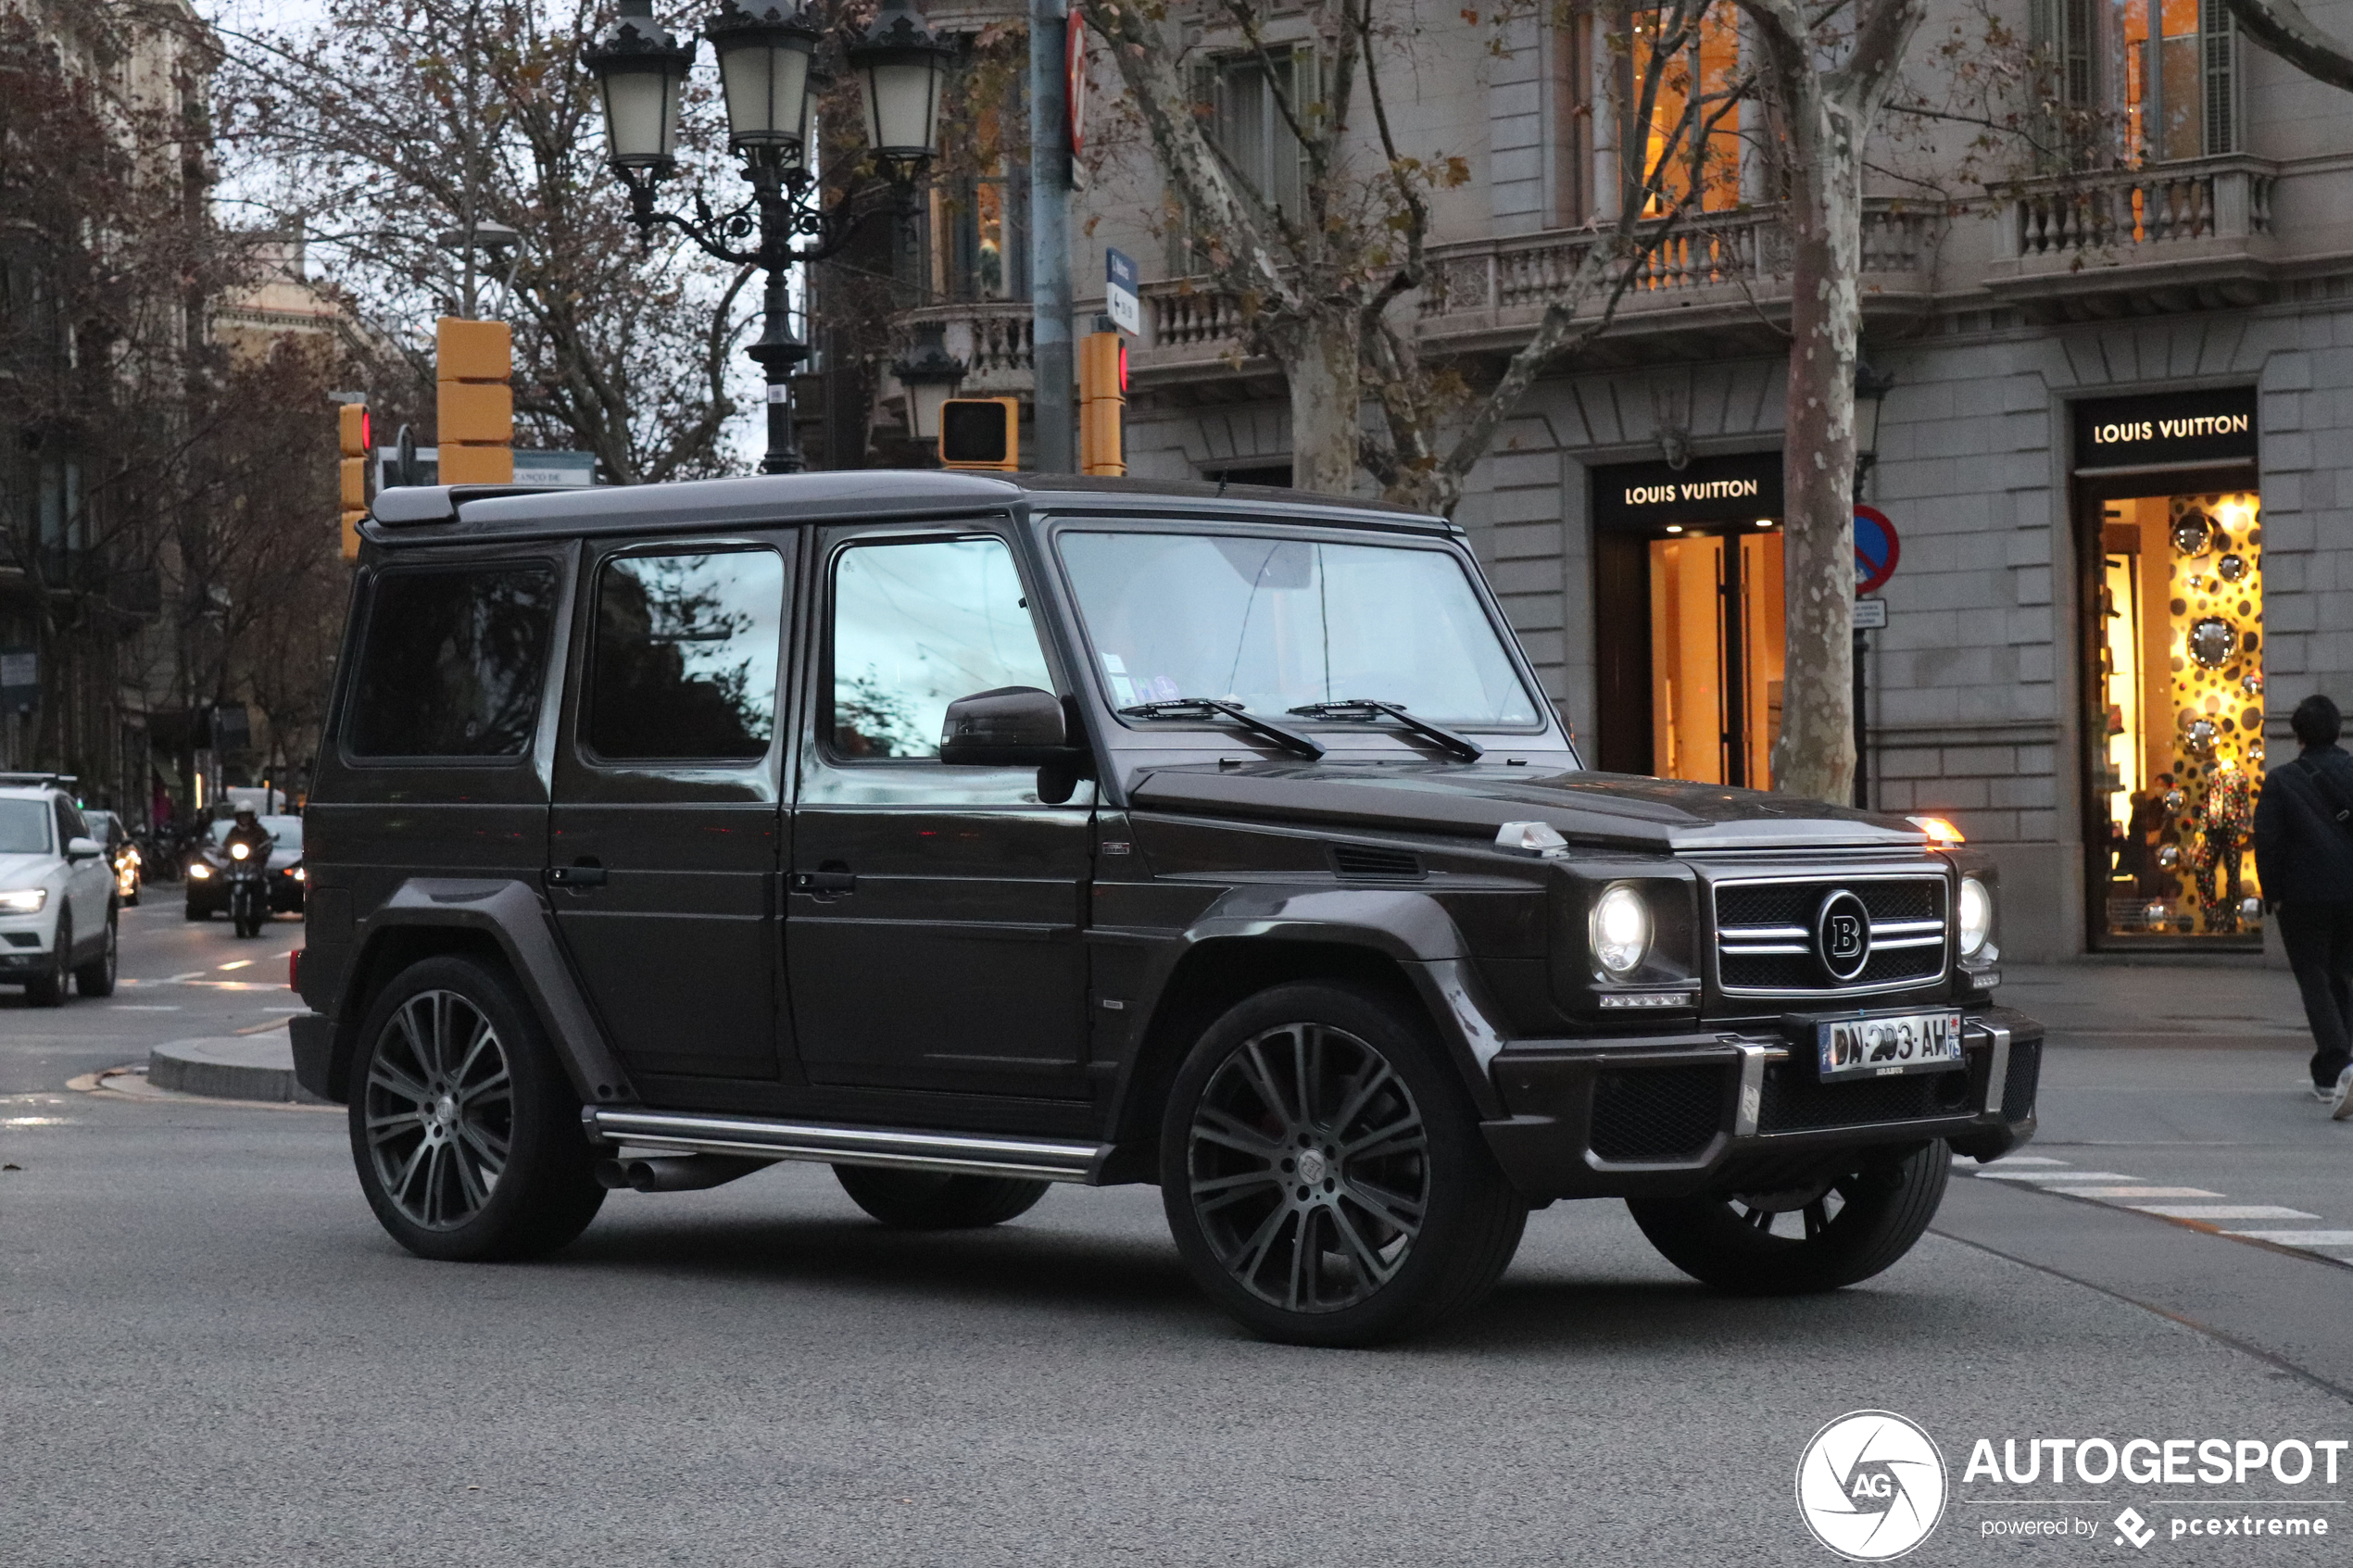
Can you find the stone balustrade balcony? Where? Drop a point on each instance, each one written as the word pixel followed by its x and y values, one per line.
pixel 2165 237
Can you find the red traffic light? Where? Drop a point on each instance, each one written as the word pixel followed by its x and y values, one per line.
pixel 1123 368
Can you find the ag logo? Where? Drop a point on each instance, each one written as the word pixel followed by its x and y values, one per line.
pixel 1870 1485
pixel 1842 934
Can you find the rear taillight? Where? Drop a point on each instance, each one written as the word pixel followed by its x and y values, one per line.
pixel 293 970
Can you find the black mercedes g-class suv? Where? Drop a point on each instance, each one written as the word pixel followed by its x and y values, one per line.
pixel 969 834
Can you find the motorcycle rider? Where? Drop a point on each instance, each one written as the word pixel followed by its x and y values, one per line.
pixel 248 832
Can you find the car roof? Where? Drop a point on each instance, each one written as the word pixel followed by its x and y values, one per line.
pixel 458 513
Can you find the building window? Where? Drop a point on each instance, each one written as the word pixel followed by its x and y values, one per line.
pixel 2163 72
pixel 979 220
pixel 1691 133
pixel 1244 96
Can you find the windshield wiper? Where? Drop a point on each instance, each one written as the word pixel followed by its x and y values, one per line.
pixel 1209 708
pixel 1446 740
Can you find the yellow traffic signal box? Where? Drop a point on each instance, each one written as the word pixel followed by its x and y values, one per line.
pixel 474 419
pixel 351 441
pixel 981 432
pixel 1102 403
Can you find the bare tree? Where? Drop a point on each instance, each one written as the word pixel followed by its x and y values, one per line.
pixel 385 128
pixel 1827 72
pixel 1323 288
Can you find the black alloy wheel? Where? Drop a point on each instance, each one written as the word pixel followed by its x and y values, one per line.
pixel 1324 1175
pixel 1825 1235
pixel 96 977
pixel 465 1131
pixel 49 989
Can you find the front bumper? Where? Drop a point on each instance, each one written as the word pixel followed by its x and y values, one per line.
pixel 25 941
pixel 1721 1111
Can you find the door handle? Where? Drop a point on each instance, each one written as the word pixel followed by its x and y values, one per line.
pixel 576 877
pixel 825 883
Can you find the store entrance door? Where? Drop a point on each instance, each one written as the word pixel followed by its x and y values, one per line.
pixel 1688 619
pixel 1716 654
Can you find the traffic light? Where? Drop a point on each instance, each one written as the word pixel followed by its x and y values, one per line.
pixel 474 419
pixel 981 432
pixel 1102 403
pixel 352 441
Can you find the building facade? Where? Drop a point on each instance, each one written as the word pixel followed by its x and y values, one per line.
pixel 2116 452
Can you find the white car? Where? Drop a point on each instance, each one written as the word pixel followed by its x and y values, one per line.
pixel 57 894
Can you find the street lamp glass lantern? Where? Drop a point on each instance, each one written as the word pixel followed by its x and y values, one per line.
pixel 764 53
pixel 903 67
pixel 640 68
pixel 931 376
pixel 1870 390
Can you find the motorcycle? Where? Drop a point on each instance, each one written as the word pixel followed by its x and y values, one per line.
pixel 248 891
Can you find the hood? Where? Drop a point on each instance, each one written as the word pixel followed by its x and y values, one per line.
pixel 24 870
pixel 1601 810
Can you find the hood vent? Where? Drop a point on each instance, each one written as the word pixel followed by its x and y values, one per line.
pixel 1372 863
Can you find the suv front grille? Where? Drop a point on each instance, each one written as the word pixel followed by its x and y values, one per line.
pixel 1764 934
pixel 1658 1113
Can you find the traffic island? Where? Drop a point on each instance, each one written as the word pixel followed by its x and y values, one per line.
pixel 256 1067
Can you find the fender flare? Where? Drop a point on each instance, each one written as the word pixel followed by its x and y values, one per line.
pixel 1411 929
pixel 511 914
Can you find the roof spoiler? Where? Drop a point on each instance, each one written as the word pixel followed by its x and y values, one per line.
pixel 408 506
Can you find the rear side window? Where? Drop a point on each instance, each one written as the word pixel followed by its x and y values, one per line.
pixel 453 663
pixel 686 658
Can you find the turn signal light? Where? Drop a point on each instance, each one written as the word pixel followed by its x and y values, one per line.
pixel 1941 833
pixel 293 970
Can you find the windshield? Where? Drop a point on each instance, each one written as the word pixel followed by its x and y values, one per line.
pixel 24 827
pixel 284 832
pixel 1279 623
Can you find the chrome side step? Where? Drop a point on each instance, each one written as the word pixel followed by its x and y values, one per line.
pixel 832 1144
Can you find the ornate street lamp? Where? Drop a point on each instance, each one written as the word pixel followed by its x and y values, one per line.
pixel 931 375
pixel 1871 388
pixel 769 76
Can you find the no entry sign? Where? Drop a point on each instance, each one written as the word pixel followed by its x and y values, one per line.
pixel 1876 549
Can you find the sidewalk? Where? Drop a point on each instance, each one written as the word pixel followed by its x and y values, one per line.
pixel 2157 1002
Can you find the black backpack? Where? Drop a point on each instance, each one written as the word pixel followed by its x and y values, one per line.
pixel 2330 789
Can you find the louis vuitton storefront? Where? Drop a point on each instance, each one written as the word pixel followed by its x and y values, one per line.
pixel 2169 508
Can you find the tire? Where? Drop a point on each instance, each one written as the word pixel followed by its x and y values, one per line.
pixel 1795 1242
pixel 465 1131
pixel 1367 1209
pixel 96 977
pixel 50 990
pixel 925 1200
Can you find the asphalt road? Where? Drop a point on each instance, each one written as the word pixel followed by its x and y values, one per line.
pixel 210 1354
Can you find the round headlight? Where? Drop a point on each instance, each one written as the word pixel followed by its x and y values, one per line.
pixel 1977 916
pixel 1621 930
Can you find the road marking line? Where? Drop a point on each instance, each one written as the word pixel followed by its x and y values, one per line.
pixel 241 963
pixel 137 1007
pixel 2057 1176
pixel 2220 1211
pixel 179 979
pixel 2014 1160
pixel 2135 1192
pixel 2300 1238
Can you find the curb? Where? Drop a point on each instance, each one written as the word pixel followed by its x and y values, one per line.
pixel 259 1067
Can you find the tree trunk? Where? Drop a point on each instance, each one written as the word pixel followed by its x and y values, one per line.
pixel 1815 755
pixel 1325 391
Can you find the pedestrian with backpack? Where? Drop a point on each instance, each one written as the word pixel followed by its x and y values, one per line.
pixel 2304 855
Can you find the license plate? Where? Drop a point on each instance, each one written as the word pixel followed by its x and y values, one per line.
pixel 1885 1047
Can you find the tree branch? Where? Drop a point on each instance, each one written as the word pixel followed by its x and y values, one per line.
pixel 2282 27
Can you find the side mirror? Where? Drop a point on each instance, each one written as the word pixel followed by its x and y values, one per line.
pixel 1010 727
pixel 82 849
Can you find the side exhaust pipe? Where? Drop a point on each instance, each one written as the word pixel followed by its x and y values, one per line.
pixel 690 1172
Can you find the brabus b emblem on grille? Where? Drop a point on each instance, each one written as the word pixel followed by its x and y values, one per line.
pixel 1843 936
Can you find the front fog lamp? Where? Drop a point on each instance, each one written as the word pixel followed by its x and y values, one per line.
pixel 1621 930
pixel 1977 917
